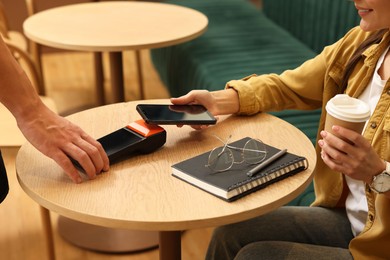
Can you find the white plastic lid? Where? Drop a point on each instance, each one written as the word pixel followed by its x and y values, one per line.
pixel 348 109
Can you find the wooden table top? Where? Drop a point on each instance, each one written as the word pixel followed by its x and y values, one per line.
pixel 140 193
pixel 115 26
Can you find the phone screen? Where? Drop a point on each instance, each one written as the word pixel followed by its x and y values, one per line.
pixel 175 114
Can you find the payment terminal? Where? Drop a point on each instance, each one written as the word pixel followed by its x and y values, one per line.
pixel 136 138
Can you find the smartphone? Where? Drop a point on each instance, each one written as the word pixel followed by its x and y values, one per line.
pixel 175 114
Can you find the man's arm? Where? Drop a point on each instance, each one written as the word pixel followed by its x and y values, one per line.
pixel 50 133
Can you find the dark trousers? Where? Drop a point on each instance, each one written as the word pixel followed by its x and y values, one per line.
pixel 3 180
pixel 286 233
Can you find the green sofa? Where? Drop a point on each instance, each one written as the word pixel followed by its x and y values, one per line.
pixel 243 40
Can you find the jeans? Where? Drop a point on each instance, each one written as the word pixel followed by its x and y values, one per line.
pixel 286 233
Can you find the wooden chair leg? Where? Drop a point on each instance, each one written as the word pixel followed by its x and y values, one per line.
pixel 48 232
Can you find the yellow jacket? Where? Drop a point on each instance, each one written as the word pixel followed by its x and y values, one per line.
pixel 310 86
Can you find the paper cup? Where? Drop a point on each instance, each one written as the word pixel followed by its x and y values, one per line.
pixel 347 112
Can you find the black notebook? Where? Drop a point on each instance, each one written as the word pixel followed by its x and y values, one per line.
pixel 234 183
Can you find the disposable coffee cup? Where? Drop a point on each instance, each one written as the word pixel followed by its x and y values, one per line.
pixel 347 112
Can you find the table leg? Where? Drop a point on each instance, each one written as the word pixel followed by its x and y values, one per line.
pixel 138 62
pixel 117 82
pixel 170 245
pixel 99 78
pixel 45 214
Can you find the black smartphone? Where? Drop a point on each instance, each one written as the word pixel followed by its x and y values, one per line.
pixel 175 114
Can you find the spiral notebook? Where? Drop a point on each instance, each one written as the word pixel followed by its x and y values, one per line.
pixel 234 183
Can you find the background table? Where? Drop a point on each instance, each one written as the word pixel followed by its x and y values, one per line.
pixel 115 27
pixel 140 193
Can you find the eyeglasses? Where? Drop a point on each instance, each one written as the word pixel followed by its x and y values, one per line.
pixel 222 159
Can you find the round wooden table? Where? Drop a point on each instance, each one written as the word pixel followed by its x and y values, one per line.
pixel 113 27
pixel 140 193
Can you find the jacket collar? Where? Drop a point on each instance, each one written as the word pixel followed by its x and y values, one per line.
pixel 372 53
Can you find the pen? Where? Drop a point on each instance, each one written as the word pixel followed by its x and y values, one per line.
pixel 257 169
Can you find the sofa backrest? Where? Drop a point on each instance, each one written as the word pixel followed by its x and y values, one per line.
pixel 316 23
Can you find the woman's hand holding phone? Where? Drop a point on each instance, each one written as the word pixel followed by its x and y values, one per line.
pixel 222 102
pixel 196 97
pixel 168 114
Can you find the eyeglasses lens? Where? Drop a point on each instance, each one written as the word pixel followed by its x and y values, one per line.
pixel 220 159
pixel 254 151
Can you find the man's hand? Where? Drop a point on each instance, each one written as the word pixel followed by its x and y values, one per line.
pixel 59 139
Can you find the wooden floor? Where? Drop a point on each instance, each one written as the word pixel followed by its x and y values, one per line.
pixel 69 81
